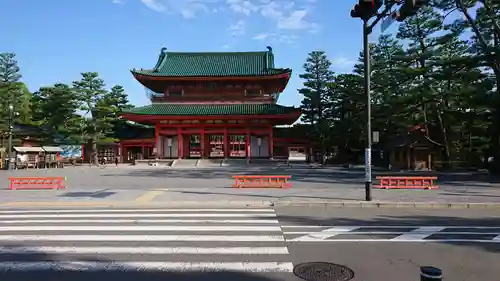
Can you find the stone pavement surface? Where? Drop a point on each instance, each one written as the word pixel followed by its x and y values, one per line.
pixel 160 184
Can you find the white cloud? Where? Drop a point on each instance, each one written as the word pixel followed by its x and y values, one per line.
pixel 275 37
pixel 296 21
pixel 154 5
pixel 186 8
pixel 285 14
pixel 341 63
pixel 262 36
pixel 117 1
pixel 237 29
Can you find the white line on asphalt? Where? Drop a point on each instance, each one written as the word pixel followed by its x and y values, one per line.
pixel 401 240
pixel 164 215
pixel 325 234
pixel 397 232
pixel 419 233
pixel 130 210
pixel 497 238
pixel 148 250
pixel 97 220
pixel 388 226
pixel 139 228
pixel 148 266
pixel 142 238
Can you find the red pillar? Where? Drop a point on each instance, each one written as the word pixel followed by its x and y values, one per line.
pixel 157 138
pixel 226 144
pixel 248 142
pixel 180 143
pixel 271 142
pixel 202 142
pixel 121 152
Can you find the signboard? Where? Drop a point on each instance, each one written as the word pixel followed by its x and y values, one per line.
pixel 259 141
pixel 297 154
pixel 376 137
pixel 169 142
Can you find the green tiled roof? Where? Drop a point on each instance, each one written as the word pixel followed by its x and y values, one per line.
pixel 183 64
pixel 211 109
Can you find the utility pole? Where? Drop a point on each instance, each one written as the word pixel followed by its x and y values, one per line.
pixel 366 10
pixel 368 151
pixel 11 116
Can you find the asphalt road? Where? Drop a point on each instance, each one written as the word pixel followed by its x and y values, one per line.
pixel 245 244
pixel 391 244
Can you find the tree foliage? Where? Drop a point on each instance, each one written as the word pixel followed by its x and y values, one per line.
pixel 440 70
pixel 83 112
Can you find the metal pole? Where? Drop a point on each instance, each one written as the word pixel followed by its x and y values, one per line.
pixel 368 168
pixel 11 112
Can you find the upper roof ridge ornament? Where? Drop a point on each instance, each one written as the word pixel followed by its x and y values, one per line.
pixel 269 49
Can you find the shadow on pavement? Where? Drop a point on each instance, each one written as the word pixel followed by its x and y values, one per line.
pixel 18 274
pixel 309 175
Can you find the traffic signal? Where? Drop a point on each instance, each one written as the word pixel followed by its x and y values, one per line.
pixel 366 9
pixel 409 8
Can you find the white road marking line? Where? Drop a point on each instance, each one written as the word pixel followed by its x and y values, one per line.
pixel 137 215
pixel 419 233
pixel 148 266
pixel 388 226
pixel 325 234
pixel 398 241
pixel 148 250
pixel 97 220
pixel 130 210
pixel 497 238
pixel 142 238
pixel 139 228
pixel 401 232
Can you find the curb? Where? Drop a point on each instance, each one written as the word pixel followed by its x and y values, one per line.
pixel 257 203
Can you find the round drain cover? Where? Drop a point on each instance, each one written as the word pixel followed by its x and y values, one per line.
pixel 323 271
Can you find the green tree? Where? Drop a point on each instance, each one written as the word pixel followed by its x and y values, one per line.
pixel 316 95
pixel 92 96
pixel 117 101
pixel 347 115
pixel 55 109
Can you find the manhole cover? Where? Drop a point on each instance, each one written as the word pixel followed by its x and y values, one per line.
pixel 323 271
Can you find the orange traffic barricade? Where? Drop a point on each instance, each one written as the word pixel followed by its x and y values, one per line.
pixel 406 182
pixel 37 183
pixel 262 181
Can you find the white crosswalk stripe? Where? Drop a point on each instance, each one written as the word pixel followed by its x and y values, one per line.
pixel 178 240
pixel 391 233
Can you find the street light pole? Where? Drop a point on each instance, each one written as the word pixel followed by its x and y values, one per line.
pixel 368 150
pixel 11 113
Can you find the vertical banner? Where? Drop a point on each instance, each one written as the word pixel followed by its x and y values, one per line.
pixel 368 165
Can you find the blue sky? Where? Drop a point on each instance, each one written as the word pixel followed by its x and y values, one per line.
pixel 56 40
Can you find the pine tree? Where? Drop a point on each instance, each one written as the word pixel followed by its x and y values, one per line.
pixel 55 109
pixel 316 92
pixel 91 94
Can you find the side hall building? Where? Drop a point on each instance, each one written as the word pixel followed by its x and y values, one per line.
pixel 213 105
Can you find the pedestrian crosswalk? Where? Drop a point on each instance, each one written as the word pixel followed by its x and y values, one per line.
pixel 391 233
pixel 176 240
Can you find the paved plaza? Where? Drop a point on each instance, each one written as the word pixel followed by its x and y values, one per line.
pixel 144 184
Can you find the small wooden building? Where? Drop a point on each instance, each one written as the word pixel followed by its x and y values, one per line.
pixel 414 151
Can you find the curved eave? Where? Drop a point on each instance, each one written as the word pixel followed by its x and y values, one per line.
pixel 144 118
pixel 286 74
